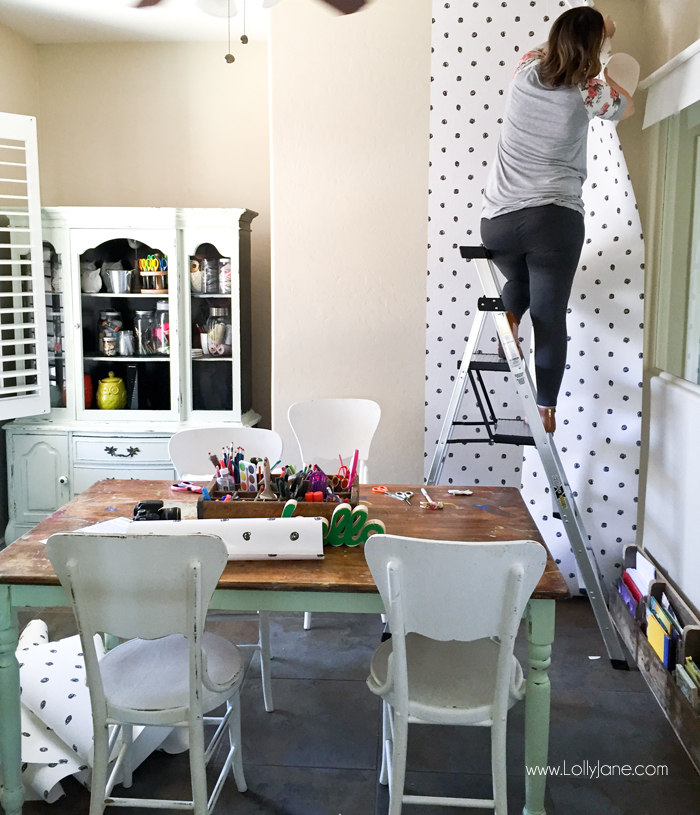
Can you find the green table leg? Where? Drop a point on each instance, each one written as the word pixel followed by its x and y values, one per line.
pixel 540 636
pixel 12 795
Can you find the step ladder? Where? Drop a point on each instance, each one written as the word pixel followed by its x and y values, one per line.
pixel 510 431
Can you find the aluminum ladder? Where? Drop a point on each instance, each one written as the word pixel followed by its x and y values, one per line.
pixel 509 431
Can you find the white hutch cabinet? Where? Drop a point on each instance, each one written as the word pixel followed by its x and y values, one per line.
pixel 179 280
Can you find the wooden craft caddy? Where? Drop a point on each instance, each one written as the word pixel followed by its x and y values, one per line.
pixel 247 507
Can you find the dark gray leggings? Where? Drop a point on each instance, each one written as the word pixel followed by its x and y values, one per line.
pixel 537 250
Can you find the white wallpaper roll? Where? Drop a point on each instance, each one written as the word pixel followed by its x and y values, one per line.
pixel 476 47
pixel 57 732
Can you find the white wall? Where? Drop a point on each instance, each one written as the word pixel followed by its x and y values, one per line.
pixel 19 76
pixel 349 142
pixel 163 124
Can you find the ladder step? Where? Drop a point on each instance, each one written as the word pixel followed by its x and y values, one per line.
pixel 488 362
pixel 512 431
pixel 504 431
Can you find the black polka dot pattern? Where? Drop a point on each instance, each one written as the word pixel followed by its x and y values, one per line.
pixel 55 710
pixel 601 394
pixel 599 412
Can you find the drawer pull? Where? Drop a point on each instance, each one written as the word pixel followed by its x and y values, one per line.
pixel 130 452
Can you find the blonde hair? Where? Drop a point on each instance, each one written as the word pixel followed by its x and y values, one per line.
pixel 572 53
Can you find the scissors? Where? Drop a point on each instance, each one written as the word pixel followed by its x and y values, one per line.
pixel 342 479
pixel 401 496
pixel 186 486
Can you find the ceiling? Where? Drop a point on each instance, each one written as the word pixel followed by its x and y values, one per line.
pixel 47 21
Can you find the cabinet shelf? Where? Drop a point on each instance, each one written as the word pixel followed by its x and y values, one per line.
pixel 211 359
pixel 140 296
pixel 201 296
pixel 102 358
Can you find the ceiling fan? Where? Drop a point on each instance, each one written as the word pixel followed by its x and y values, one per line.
pixel 219 8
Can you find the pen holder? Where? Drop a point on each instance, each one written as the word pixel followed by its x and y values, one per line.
pixel 244 504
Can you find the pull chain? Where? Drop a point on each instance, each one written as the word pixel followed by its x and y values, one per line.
pixel 229 57
pixel 244 38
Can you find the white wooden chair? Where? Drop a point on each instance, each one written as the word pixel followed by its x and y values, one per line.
pixel 154 592
pixel 189 451
pixel 454 610
pixel 328 428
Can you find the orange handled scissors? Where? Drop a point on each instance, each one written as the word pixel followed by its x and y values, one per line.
pixel 401 496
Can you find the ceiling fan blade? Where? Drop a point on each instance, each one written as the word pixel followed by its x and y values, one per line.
pixel 346 6
pixel 218 8
pixel 343 6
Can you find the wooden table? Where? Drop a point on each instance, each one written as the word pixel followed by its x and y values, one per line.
pixel 340 582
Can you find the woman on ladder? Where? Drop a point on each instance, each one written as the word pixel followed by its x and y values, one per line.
pixel 532 215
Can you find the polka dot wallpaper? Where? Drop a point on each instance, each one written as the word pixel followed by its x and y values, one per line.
pixel 476 46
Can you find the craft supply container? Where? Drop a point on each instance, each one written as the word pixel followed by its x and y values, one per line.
pixel 144 323
pixel 250 508
pixel 218 329
pixel 210 276
pixel 161 331
pixel 108 328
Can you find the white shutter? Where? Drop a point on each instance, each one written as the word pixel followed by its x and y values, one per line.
pixel 24 371
pixel 674 87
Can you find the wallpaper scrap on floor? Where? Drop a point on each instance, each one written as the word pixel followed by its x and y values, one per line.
pixel 476 47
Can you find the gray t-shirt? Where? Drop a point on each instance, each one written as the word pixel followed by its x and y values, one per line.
pixel 541 155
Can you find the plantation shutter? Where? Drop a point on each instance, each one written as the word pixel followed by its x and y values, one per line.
pixel 24 372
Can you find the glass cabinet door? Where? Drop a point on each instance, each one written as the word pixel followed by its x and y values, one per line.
pixel 55 324
pixel 212 316
pixel 128 330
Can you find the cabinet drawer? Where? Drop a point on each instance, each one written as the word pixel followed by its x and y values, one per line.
pixel 135 450
pixel 84 477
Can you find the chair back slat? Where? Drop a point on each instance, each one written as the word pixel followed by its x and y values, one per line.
pixel 189 448
pixel 137 585
pixel 454 590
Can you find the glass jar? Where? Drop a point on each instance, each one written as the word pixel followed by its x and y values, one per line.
pixel 210 276
pixel 144 323
pixel 108 328
pixel 126 343
pixel 161 331
pixel 218 329
pixel 224 275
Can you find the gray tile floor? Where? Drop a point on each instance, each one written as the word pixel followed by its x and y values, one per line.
pixel 318 753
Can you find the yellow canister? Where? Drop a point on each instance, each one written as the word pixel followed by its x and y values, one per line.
pixel 111 393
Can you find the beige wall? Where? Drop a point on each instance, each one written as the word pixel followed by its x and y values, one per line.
pixel 19 77
pixel 163 124
pixel 349 140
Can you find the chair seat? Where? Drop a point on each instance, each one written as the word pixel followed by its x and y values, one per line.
pixel 448 682
pixel 154 674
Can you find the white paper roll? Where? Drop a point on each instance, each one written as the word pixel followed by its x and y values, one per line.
pixel 624 70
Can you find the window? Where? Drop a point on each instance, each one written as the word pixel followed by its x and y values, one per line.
pixel 24 378
pixel 678 317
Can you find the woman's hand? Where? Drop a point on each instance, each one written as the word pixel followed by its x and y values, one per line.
pixel 610 26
